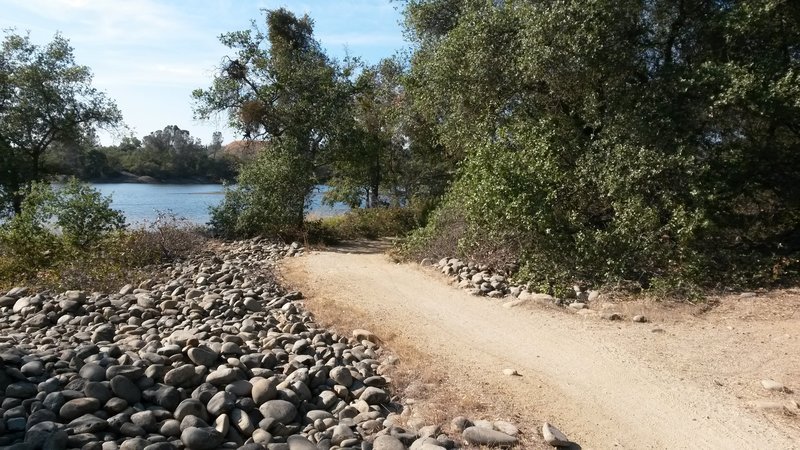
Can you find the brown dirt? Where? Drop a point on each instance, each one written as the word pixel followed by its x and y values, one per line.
pixel 683 380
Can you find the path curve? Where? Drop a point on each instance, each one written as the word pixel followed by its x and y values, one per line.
pixel 605 384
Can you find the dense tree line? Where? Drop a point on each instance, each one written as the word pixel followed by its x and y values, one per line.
pixel 49 113
pixel 649 141
pixel 171 154
pixel 46 98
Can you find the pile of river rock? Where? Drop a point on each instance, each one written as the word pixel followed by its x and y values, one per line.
pixel 212 354
pixel 481 280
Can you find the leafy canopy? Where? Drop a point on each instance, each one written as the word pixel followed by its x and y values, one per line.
pixel 45 98
pixel 607 140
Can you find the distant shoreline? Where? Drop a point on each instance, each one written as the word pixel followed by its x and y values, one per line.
pixel 127 177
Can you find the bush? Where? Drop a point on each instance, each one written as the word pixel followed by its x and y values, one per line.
pixel 27 244
pixel 165 239
pixel 370 223
pixel 70 238
pixel 607 142
pixel 269 199
pixel 82 215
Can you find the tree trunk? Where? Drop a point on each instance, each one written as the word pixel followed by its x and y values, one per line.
pixel 375 183
pixel 16 202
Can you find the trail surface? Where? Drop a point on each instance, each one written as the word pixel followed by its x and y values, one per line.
pixel 678 382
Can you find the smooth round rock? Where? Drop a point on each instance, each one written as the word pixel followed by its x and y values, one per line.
pixel 298 442
pixel 387 442
pixel 486 436
pixel 78 407
pixel 554 436
pixel 280 411
pixel 126 389
pixel 202 356
pixel 263 390
pixel 92 372
pixel 206 438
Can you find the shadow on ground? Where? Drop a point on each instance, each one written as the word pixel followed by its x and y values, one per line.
pixel 361 246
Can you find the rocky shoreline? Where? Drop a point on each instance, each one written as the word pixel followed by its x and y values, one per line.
pixel 211 354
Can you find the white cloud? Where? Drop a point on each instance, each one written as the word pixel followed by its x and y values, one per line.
pixel 120 22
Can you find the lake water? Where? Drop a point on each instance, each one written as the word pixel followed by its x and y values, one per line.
pixel 141 202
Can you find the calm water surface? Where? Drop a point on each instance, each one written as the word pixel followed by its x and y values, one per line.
pixel 142 202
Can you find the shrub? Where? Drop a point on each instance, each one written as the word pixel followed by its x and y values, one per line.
pixel 368 223
pixel 165 239
pixel 608 141
pixel 70 238
pixel 269 199
pixel 82 215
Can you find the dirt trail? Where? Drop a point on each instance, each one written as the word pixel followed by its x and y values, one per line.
pixel 677 382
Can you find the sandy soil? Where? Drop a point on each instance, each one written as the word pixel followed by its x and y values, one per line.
pixel 683 380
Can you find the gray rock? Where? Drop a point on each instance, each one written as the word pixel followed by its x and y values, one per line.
pixel 136 443
pixel 387 442
pixel 374 396
pixel 205 438
pixel 280 411
pixel 180 376
pixel 160 446
pixel 222 402
pixel 341 375
pixel 87 423
pixel 554 436
pixel 460 423
pixel 506 427
pixel 32 369
pixel 93 372
pixel 772 385
pixel 241 421
pixel 99 391
pixel 222 376
pixel 485 436
pixel 125 389
pixel 145 419
pixel 78 407
pixel 203 356
pixel 21 389
pixel 341 433
pixel 264 390
pixel 104 333
pixel 191 407
pixel 132 372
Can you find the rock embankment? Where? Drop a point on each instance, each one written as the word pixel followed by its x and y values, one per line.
pixel 212 354
pixel 481 280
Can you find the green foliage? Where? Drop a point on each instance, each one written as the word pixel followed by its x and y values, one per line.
pixel 604 140
pixel 269 198
pixel 55 225
pixel 70 238
pixel 391 155
pixel 46 98
pixel 27 244
pixel 370 223
pixel 282 89
pixel 83 215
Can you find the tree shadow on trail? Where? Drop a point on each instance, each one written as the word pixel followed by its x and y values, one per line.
pixel 361 246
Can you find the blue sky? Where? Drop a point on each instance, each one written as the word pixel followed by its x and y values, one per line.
pixel 148 55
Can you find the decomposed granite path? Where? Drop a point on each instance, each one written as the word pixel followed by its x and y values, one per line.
pixel 675 383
